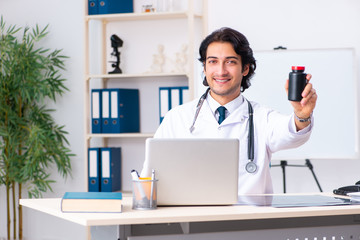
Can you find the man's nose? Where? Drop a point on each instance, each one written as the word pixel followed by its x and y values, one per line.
pixel 222 69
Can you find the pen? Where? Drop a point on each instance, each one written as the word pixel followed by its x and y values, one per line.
pixel 152 174
pixel 135 177
pixel 152 187
pixel 137 174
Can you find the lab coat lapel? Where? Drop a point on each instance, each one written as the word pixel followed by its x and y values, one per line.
pixel 207 115
pixel 239 115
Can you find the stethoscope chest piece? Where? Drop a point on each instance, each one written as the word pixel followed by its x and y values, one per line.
pixel 251 167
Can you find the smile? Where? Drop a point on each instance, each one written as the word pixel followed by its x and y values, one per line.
pixel 221 80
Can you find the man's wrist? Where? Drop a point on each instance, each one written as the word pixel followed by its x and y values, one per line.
pixel 308 119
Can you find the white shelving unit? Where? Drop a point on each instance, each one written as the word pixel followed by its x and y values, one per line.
pixel 193 19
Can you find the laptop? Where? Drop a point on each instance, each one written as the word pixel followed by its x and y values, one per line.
pixel 194 171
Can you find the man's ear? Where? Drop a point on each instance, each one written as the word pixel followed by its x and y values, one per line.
pixel 246 70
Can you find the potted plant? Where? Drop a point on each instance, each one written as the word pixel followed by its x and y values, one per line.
pixel 31 142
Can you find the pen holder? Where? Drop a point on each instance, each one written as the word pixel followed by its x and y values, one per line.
pixel 144 194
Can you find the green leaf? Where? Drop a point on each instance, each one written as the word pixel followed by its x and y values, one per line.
pixel 31 142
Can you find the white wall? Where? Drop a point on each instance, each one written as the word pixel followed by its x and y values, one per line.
pixel 294 24
pixel 298 25
pixel 65 19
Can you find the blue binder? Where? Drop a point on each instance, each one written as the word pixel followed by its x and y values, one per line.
pixel 105 111
pixel 124 111
pixel 184 95
pixel 175 96
pixel 164 101
pixel 96 111
pixel 170 97
pixel 93 7
pixel 115 6
pixel 110 169
pixel 94 169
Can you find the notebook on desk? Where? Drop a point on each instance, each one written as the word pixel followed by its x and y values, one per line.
pixel 194 171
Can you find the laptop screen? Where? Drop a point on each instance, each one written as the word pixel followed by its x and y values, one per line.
pixel 194 171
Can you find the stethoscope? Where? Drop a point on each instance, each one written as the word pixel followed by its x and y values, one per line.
pixel 250 166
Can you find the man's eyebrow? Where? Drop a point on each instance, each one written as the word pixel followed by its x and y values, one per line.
pixel 229 57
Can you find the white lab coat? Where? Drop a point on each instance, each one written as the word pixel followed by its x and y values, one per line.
pixel 273 132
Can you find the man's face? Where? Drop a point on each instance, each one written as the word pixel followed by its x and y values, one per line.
pixel 224 72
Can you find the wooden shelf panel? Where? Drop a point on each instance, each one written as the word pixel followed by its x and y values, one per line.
pixel 120 135
pixel 123 76
pixel 140 16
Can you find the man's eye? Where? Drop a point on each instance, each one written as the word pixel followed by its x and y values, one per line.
pixel 212 61
pixel 231 62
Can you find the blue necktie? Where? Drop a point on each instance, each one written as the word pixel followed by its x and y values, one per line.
pixel 221 111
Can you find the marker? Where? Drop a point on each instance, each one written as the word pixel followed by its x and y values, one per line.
pixel 135 177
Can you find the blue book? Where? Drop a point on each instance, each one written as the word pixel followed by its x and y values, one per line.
pixel 94 169
pixel 93 7
pixel 92 202
pixel 96 113
pixel 124 111
pixel 115 6
pixel 110 169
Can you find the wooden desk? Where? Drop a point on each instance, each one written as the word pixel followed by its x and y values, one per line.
pixel 198 214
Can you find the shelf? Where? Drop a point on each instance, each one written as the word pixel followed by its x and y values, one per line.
pixel 96 31
pixel 185 25
pixel 140 16
pixel 145 75
pixel 120 135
